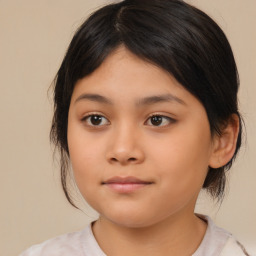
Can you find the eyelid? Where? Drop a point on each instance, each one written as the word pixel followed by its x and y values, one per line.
pixel 88 115
pixel 171 120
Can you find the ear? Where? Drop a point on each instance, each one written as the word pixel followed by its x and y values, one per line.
pixel 224 145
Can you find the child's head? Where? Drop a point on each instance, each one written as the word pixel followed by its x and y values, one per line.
pixel 173 36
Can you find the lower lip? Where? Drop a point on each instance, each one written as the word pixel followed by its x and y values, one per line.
pixel 126 187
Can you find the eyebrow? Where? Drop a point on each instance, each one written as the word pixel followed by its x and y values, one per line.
pixel 94 97
pixel 141 102
pixel 158 99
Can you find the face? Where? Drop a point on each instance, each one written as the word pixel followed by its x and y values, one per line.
pixel 139 143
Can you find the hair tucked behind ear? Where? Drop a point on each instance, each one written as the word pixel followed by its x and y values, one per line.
pixel 174 36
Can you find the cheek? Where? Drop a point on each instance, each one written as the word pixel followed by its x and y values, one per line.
pixel 86 173
pixel 84 148
pixel 83 160
pixel 83 155
pixel 184 159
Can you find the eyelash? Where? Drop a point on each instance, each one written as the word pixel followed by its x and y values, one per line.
pixel 169 120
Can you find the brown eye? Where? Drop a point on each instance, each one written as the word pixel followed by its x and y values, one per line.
pixel 95 120
pixel 158 120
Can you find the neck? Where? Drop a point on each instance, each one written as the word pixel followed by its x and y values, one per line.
pixel 177 235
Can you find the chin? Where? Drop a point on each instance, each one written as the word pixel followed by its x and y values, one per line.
pixel 132 219
pixel 131 223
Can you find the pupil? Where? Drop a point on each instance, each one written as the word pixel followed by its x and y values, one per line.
pixel 156 120
pixel 96 120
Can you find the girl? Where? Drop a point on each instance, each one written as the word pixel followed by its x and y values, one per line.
pixel 146 113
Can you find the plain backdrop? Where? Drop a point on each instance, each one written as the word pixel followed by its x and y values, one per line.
pixel 34 36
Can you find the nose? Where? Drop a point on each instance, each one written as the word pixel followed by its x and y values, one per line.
pixel 125 147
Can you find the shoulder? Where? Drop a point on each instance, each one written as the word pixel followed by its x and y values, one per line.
pixel 233 247
pixel 81 243
pixel 218 241
pixel 64 245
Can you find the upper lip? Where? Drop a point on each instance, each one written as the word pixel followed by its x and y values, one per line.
pixel 125 180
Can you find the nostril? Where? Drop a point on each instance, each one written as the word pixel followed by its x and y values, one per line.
pixel 131 159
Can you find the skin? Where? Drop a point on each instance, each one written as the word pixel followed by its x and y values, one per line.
pixel 172 157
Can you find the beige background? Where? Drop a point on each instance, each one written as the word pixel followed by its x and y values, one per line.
pixel 34 37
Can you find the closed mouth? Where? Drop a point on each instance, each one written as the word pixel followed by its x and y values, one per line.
pixel 126 180
pixel 126 185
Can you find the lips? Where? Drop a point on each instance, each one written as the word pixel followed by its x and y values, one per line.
pixel 126 184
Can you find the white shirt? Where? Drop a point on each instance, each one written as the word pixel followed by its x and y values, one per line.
pixel 216 242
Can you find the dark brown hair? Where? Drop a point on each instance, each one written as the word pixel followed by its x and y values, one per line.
pixel 171 34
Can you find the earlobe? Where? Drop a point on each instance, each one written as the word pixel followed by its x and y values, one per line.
pixel 224 145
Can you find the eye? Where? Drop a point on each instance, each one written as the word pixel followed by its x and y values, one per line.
pixel 159 120
pixel 95 120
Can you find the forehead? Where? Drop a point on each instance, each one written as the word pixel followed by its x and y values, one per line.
pixel 124 65
pixel 123 71
pixel 125 78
